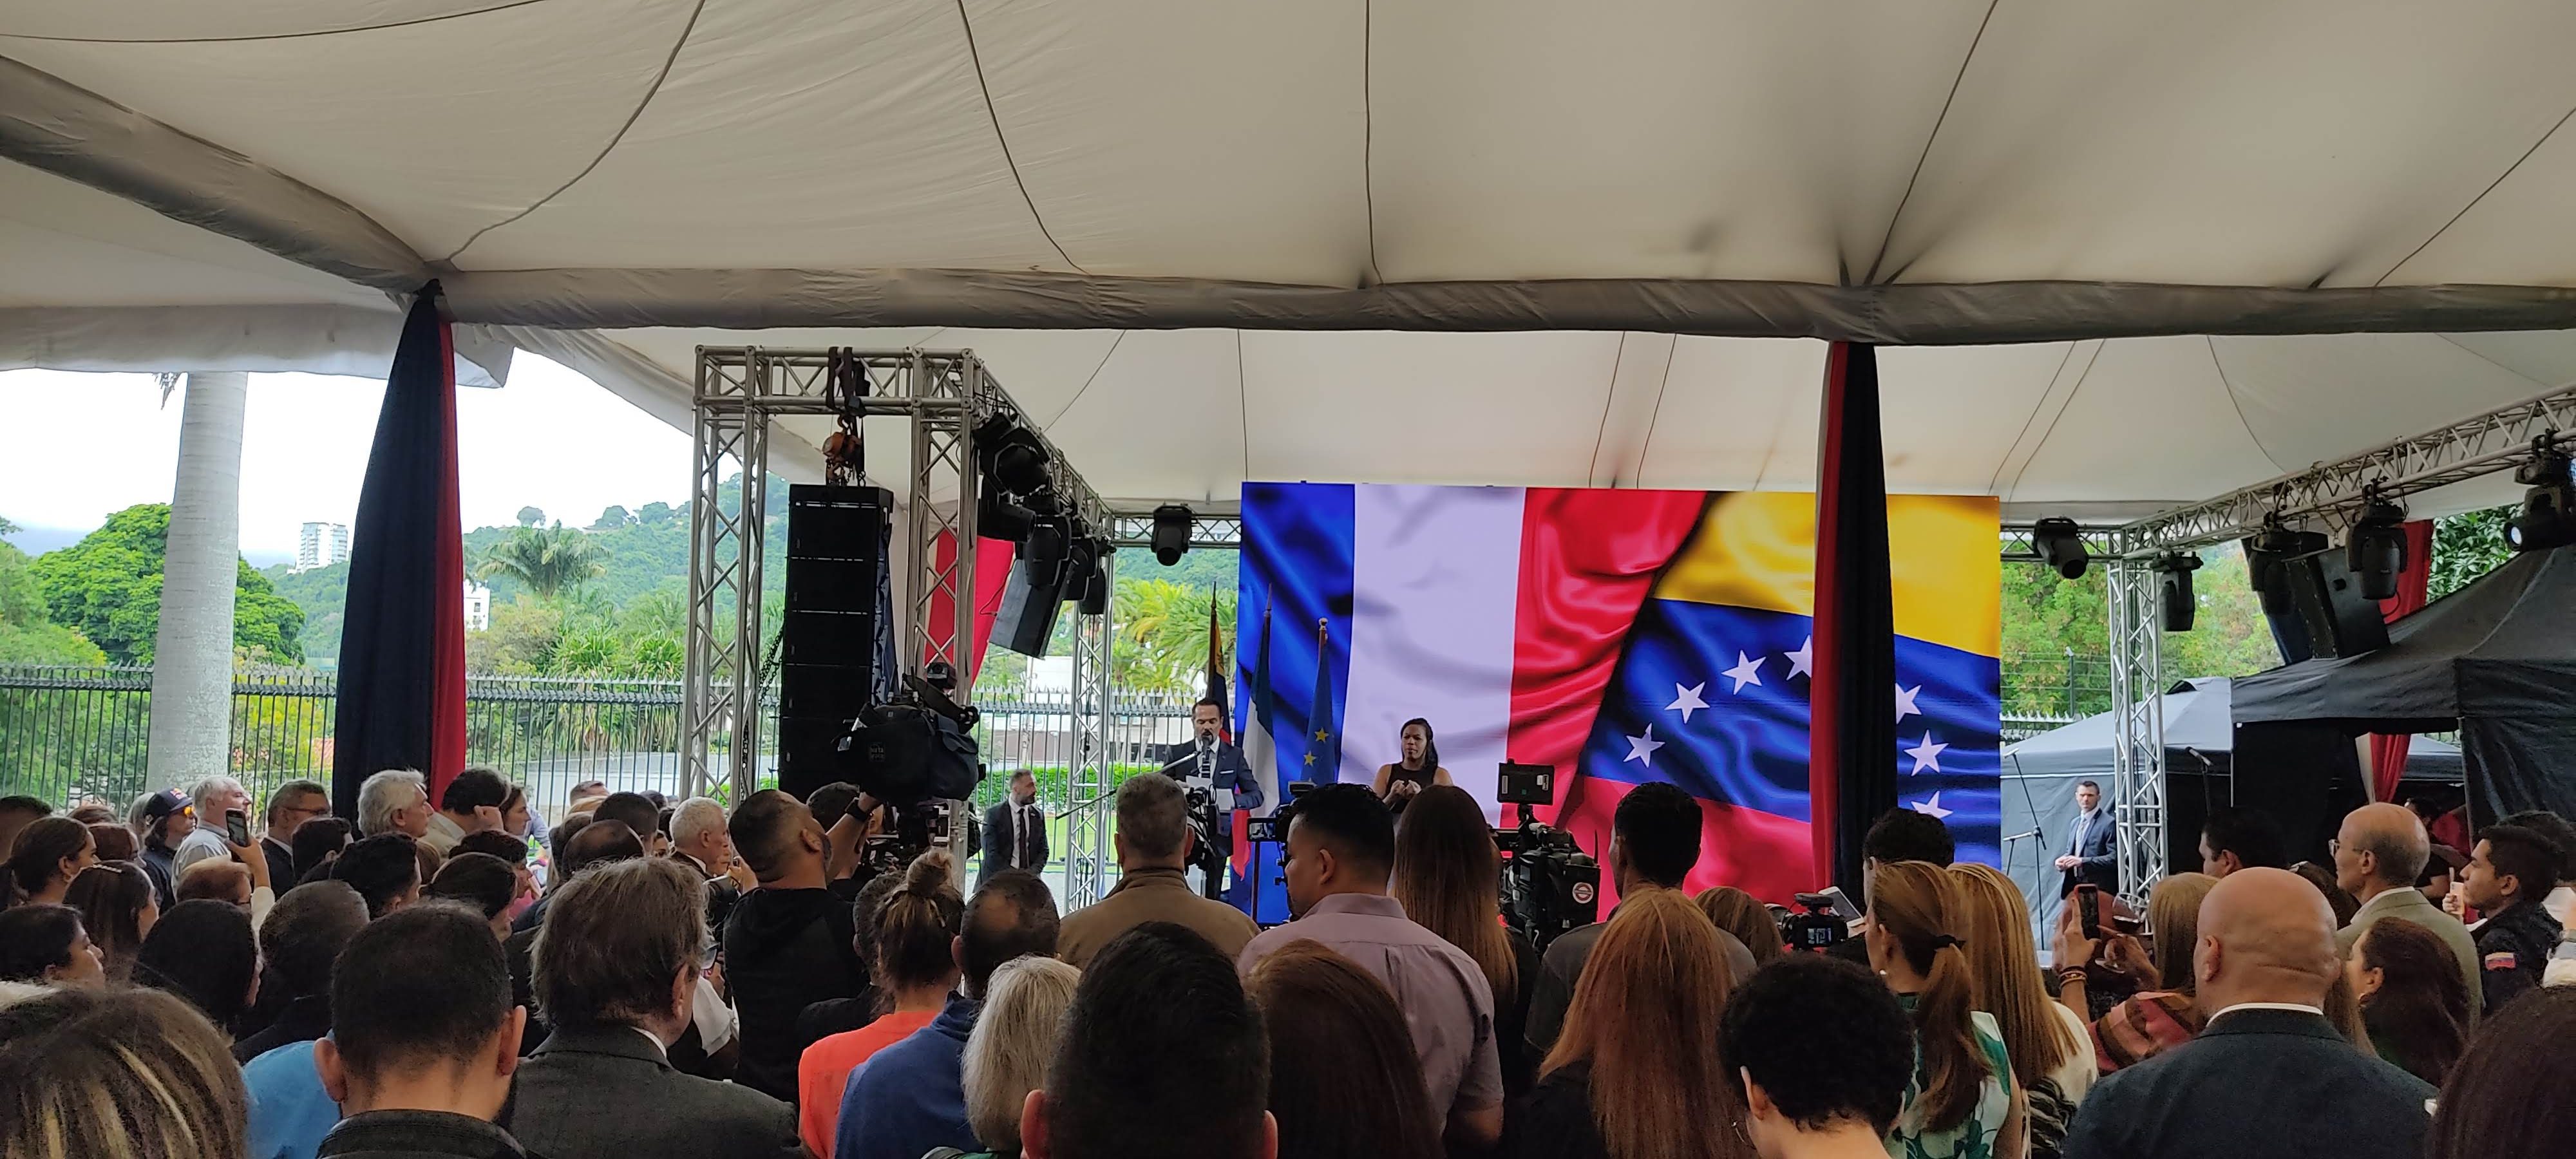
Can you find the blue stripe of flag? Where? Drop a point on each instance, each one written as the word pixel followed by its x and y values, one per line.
pixel 1301 568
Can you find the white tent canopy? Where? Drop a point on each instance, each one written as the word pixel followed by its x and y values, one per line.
pixel 1376 239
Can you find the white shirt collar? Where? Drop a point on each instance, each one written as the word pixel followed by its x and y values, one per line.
pixel 2302 1008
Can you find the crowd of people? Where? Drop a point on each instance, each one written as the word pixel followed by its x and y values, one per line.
pixel 697 981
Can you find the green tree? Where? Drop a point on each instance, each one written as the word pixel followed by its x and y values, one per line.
pixel 1168 625
pixel 611 519
pixel 27 634
pixel 2466 546
pixel 545 561
pixel 108 587
pixel 531 517
pixel 655 514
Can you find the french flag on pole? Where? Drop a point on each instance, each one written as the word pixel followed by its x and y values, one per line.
pixel 1623 636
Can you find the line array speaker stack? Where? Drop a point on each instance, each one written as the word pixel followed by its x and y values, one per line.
pixel 831 635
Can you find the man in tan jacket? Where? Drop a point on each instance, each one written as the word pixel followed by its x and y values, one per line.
pixel 1153 841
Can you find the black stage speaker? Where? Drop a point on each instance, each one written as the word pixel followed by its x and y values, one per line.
pixel 2339 619
pixel 830 635
pixel 1026 619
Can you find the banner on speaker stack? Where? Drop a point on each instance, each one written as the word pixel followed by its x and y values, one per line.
pixel 1622 636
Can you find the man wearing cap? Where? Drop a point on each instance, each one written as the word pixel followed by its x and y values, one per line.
pixel 163 819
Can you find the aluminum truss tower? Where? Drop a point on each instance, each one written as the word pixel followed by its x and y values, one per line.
pixel 943 395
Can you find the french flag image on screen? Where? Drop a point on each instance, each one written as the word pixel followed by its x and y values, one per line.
pixel 1623 636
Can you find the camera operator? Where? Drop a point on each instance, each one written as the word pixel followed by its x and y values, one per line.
pixel 1654 842
pixel 1209 763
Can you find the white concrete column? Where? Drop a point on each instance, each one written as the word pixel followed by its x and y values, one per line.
pixel 192 664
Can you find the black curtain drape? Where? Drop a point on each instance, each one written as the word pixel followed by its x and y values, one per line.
pixel 402 646
pixel 1852 721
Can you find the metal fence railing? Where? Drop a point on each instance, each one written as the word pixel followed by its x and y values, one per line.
pixel 68 733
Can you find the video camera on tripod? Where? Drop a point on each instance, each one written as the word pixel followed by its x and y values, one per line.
pixel 1826 922
pixel 915 755
pixel 1550 885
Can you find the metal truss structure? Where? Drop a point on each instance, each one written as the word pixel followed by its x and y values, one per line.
pixel 1089 781
pixel 2324 497
pixel 1132 527
pixel 943 395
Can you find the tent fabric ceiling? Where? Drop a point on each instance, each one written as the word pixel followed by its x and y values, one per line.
pixel 1360 174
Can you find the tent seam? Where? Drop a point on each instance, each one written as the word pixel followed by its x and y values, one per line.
pixel 2073 393
pixel 1928 141
pixel 1657 415
pixel 390 24
pixel 2032 417
pixel 1368 133
pixel 1592 469
pixel 1086 383
pixel 2239 407
pixel 975 57
pixel 2492 362
pixel 620 135
pixel 2509 171
pixel 1242 406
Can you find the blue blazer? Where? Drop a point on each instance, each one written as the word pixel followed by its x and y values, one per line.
pixel 2094 843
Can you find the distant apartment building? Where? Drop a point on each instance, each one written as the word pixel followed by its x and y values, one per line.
pixel 478 607
pixel 322 545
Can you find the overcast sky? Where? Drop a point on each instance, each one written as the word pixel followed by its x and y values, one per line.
pixel 76 447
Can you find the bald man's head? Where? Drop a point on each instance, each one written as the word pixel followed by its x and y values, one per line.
pixel 2266 935
pixel 2380 847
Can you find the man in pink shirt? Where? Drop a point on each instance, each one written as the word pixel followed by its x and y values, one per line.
pixel 1340 850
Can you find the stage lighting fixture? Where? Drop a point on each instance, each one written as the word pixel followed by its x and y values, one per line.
pixel 1086 581
pixel 2375 547
pixel 1012 458
pixel 2061 546
pixel 996 517
pixel 1049 540
pixel 1171 533
pixel 2548 515
pixel 2173 584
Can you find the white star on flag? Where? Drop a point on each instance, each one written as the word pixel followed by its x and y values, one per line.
pixel 1641 749
pixel 1803 661
pixel 1905 702
pixel 1686 700
pixel 1747 670
pixel 1931 808
pixel 1926 754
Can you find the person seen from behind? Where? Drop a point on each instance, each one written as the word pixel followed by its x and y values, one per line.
pixel 1014 1038
pixel 203 951
pixel 915 928
pixel 423 1040
pixel 2509 1097
pixel 1161 1056
pixel 2162 1014
pixel 1635 1074
pixel 1155 845
pixel 1819 1054
pixel 117 908
pixel 1448 877
pixel 300 940
pixel 2413 1007
pixel 2051 1053
pixel 2269 1074
pixel 112 1074
pixel 1739 914
pixel 1343 1080
pixel 1963 1101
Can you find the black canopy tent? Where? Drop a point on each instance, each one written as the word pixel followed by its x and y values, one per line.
pixel 2496 660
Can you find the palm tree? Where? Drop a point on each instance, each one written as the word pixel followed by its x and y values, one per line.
pixel 1168 624
pixel 546 561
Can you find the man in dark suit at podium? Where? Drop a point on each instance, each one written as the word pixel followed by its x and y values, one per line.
pixel 1015 834
pixel 2089 858
pixel 1207 762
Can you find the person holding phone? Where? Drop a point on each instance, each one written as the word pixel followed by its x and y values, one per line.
pixel 213 798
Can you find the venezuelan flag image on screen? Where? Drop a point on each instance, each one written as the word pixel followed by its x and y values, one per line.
pixel 1621 636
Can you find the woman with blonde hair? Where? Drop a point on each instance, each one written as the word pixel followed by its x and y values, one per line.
pixel 1963 1101
pixel 1635 1073
pixel 1737 913
pixel 1014 1037
pixel 119 1072
pixel 2050 1047
pixel 2162 1014
pixel 1448 877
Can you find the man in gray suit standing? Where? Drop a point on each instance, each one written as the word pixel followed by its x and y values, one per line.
pixel 617 963
pixel 2089 858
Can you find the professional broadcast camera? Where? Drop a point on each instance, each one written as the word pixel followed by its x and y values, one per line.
pixel 1550 885
pixel 1827 921
pixel 913 753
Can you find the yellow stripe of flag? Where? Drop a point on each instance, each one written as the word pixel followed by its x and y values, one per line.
pixel 1757 549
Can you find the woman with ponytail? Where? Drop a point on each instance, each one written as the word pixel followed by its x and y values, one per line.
pixel 914 926
pixel 1962 1102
